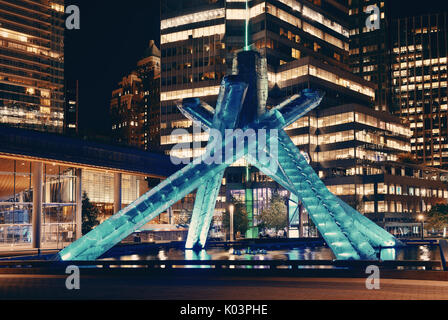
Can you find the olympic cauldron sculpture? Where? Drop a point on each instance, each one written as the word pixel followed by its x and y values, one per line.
pixel 242 105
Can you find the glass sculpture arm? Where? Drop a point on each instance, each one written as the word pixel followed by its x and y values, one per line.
pixel 224 117
pixel 347 233
pixel 157 200
pixel 335 226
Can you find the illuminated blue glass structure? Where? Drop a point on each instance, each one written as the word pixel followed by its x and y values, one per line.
pixel 241 105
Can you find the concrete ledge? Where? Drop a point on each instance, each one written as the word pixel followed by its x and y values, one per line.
pixel 255 273
pixel 27 253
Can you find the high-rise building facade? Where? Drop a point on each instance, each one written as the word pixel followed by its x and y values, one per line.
pixel 71 115
pixel 419 83
pixel 193 64
pixel 407 59
pixel 370 47
pixel 32 64
pixel 306 45
pixel 127 113
pixel 360 161
pixel 303 41
pixel 148 70
pixel 135 105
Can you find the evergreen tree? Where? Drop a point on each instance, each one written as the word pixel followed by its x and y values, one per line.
pixel 438 217
pixel 275 215
pixel 89 214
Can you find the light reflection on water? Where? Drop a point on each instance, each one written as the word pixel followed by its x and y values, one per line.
pixel 410 252
pixel 419 252
pixel 303 253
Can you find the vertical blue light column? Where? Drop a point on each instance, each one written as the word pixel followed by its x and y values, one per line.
pixel 228 107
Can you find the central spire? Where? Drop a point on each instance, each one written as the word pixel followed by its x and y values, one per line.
pixel 251 67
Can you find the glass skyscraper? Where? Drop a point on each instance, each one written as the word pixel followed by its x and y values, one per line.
pixel 32 64
pixel 419 83
pixel 303 41
pixel 407 59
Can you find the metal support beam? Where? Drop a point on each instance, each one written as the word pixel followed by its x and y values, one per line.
pixel 170 215
pixel 117 192
pixel 37 204
pixel 78 215
pixel 232 231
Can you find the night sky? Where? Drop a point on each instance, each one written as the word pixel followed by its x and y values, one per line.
pixel 403 8
pixel 112 38
pixel 114 35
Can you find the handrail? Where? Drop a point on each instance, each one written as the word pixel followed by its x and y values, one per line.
pixel 412 241
pixel 443 246
pixel 272 264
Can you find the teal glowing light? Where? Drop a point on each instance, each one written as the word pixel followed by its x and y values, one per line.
pixel 240 104
pixel 388 254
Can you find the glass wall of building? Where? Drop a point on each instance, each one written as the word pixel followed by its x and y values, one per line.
pixel 16 203
pixel 59 205
pixel 99 187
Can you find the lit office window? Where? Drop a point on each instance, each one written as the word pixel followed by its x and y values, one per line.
pixel 189 93
pixel 336 137
pixel 194 33
pixel 369 207
pixel 336 155
pixel 335 120
pixel 192 18
pixel 301 140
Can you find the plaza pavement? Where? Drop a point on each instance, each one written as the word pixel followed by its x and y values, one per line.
pixel 209 287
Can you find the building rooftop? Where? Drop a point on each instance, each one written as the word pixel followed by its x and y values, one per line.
pixel 151 50
pixel 80 153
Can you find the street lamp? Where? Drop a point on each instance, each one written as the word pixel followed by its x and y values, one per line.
pixel 421 218
pixel 231 209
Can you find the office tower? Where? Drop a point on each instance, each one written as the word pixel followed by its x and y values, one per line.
pixel 127 113
pixel 134 107
pixel 32 64
pixel 193 64
pixel 148 70
pixel 71 114
pixel 419 83
pixel 306 45
pixel 370 47
pixel 407 59
pixel 360 160
pixel 298 38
